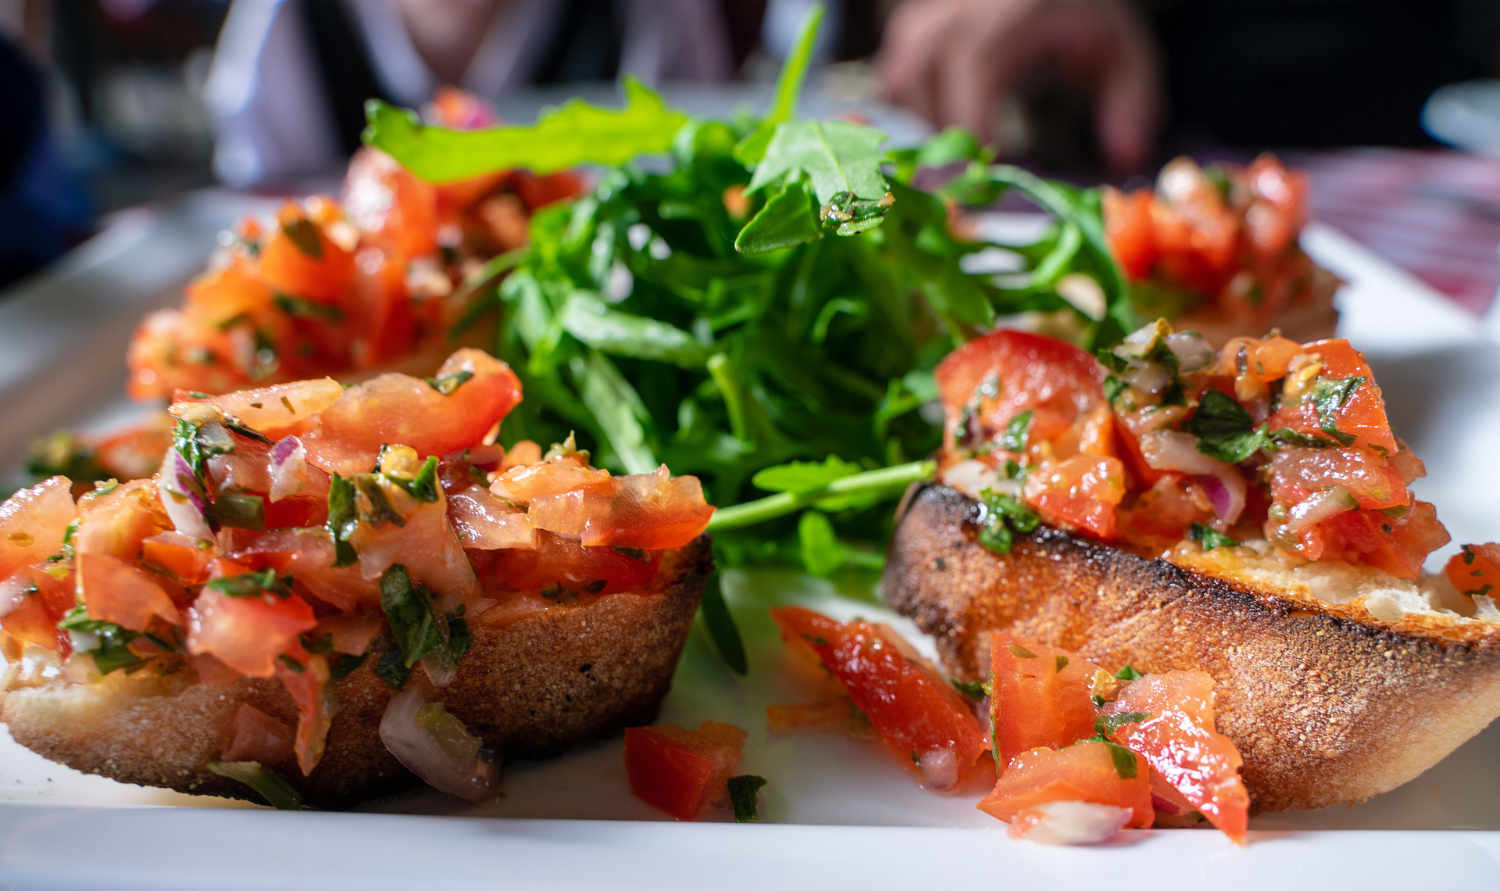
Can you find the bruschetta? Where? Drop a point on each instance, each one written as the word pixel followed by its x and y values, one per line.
pixel 344 589
pixel 1242 512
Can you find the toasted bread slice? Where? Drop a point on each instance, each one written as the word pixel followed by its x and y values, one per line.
pixel 1336 683
pixel 531 684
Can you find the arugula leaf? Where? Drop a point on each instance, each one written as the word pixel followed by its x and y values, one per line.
pixel 788 89
pixel 721 627
pixel 611 331
pixel 788 218
pixel 562 138
pixel 742 794
pixel 821 551
pixel 841 159
pixel 804 477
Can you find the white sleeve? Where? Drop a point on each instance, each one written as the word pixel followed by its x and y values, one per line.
pixel 266 97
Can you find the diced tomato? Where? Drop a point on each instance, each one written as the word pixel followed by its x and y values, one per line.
pixel 1372 480
pixel 652 511
pixel 278 409
pixel 839 715
pixel 397 409
pixel 1177 738
pixel 135 453
pixel 679 771
pixel 559 562
pixel 524 482
pixel 256 736
pixel 1278 207
pixel 307 555
pixel 486 522
pixel 307 678
pixel 1335 368
pixel 120 592
pixel 181 555
pixel 1475 570
pixel 1056 381
pixel 916 712
pixel 1167 509
pixel 1081 491
pixel 350 633
pixel 32 602
pixel 32 523
pixel 424 542
pixel 1127 225
pixel 246 633
pixel 299 258
pixel 1397 545
pixel 1039 696
pixel 1086 771
pixel 390 206
pixel 1258 359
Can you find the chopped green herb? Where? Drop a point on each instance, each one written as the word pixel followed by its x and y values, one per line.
pixel 1062 662
pixel 1021 652
pixel 1210 537
pixel 424 486
pixel 342 519
pixel 1005 516
pixel 1329 396
pixel 304 234
pixel 722 628
pixel 291 664
pixel 1014 437
pixel 345 665
pixel 450 382
pixel 971 689
pixel 415 626
pixel 1104 725
pixel 113 650
pixel 302 308
pixel 743 791
pixel 1128 674
pixel 269 785
pixel 237 510
pixel 1224 428
pixel 251 584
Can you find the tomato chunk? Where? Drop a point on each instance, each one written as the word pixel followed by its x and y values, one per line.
pixel 32 523
pixel 986 383
pixel 1336 395
pixel 1475 570
pixel 1087 771
pixel 1080 491
pixel 679 771
pixel 1039 696
pixel 398 409
pixel 1176 737
pixel 246 633
pixel 652 511
pixel 916 712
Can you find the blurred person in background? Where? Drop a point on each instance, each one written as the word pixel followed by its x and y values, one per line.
pixel 43 208
pixel 1249 74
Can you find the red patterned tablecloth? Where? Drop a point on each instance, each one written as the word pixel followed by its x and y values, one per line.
pixel 1434 213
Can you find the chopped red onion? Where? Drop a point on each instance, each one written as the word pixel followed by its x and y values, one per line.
pixel 434 745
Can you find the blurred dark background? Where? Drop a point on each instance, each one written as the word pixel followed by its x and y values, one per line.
pixel 112 103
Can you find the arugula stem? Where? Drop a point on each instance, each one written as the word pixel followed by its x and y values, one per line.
pixel 886 479
pixel 719 367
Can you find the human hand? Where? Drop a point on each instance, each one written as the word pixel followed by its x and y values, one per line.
pixel 953 61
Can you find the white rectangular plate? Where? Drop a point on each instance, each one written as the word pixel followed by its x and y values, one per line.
pixel 839 811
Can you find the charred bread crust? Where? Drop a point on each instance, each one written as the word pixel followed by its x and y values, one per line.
pixel 529 686
pixel 1326 704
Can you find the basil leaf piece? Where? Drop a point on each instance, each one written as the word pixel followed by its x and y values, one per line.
pixel 448 383
pixel 1014 437
pixel 424 487
pixel 1128 674
pixel 302 308
pixel 974 690
pixel 342 520
pixel 562 138
pixel 743 791
pixel 304 234
pixel 113 651
pixel 1210 537
pixel 1225 429
pixel 251 584
pixel 269 785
